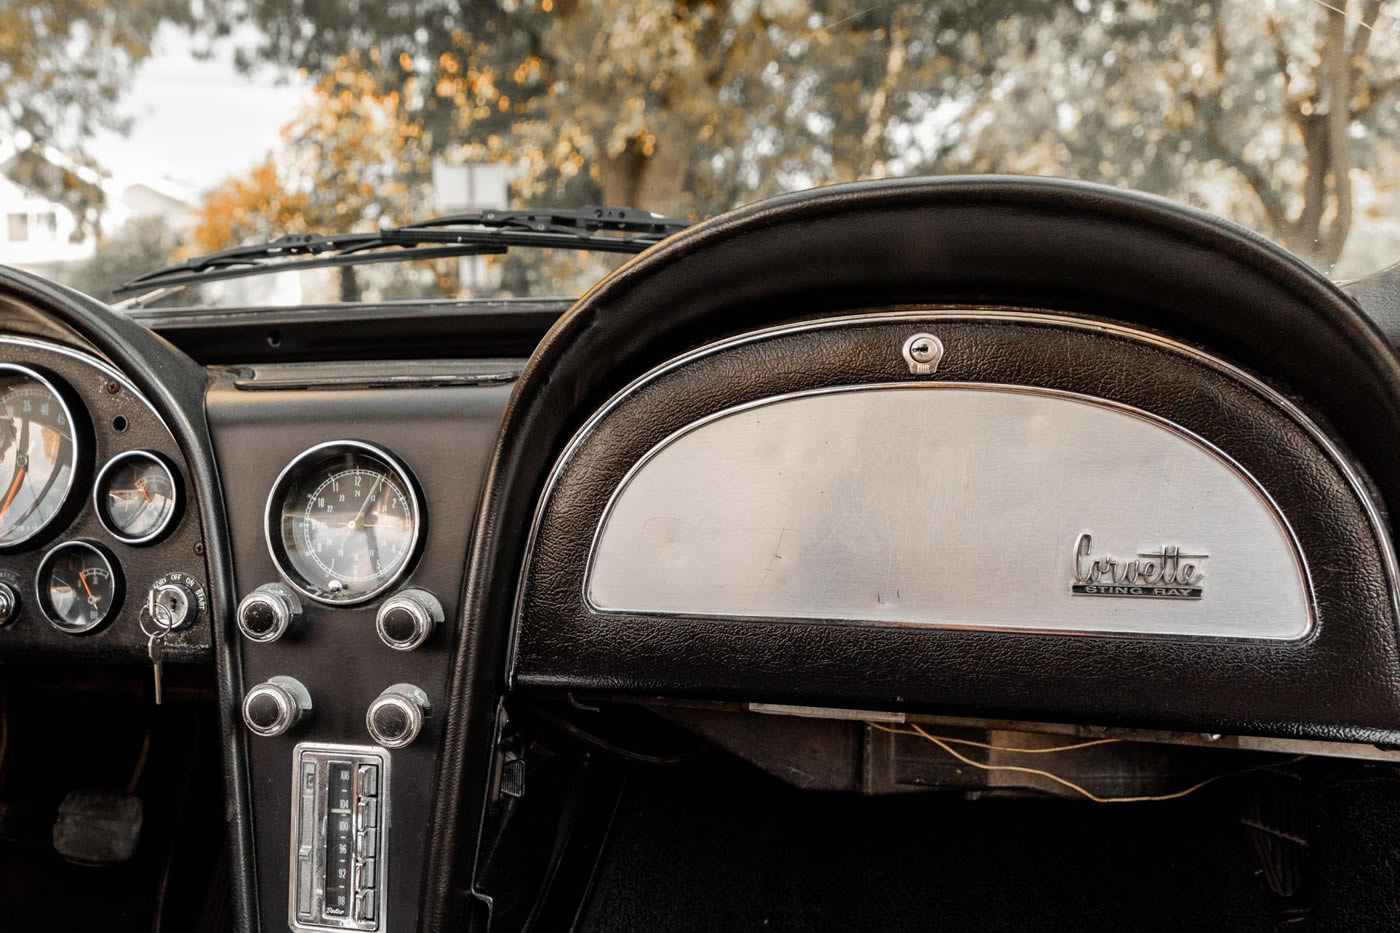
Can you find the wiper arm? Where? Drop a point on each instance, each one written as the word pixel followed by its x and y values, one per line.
pixel 477 233
pixel 574 221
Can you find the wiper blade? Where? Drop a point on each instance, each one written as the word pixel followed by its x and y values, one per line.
pixel 574 221
pixel 476 233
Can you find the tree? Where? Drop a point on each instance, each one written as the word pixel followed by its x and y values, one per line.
pixel 1264 113
pixel 63 67
pixel 138 246
pixel 1278 104
pixel 346 164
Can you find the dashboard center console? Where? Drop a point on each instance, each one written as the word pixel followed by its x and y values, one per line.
pixel 350 511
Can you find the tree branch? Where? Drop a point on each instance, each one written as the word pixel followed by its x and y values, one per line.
pixel 1369 91
pixel 1337 68
pixel 1370 12
pixel 1374 94
pixel 1292 106
pixel 1210 111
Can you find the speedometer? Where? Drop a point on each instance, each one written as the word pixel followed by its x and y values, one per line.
pixel 343 522
pixel 38 454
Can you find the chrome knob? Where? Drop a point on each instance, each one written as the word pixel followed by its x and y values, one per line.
pixel 408 618
pixel 9 603
pixel 396 716
pixel 268 613
pixel 273 707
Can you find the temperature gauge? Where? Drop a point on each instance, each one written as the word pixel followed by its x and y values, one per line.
pixel 136 496
pixel 79 586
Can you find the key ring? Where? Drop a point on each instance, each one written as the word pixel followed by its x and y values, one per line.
pixel 161 631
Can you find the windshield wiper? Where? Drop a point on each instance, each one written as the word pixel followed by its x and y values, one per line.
pixel 476 233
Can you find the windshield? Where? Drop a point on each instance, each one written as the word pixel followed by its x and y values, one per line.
pixel 134 134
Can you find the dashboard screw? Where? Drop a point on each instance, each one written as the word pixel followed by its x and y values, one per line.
pixel 113 388
pixel 199 547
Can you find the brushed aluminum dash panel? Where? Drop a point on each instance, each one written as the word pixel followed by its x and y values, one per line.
pixel 951 505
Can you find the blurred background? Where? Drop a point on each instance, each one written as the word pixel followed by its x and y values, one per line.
pixel 134 133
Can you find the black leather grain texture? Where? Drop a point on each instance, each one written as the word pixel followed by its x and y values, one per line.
pixel 175 385
pixel 983 240
pixel 1342 682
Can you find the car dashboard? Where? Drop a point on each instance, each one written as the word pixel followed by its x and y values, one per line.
pixel 1000 454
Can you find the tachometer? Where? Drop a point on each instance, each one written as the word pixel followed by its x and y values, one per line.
pixel 38 454
pixel 343 522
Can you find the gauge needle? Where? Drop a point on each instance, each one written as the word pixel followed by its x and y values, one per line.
pixel 14 488
pixel 83 580
pixel 142 486
pixel 355 522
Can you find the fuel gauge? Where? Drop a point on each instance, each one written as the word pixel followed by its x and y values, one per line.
pixel 136 496
pixel 79 586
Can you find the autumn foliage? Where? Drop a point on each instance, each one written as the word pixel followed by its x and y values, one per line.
pixel 351 160
pixel 1283 116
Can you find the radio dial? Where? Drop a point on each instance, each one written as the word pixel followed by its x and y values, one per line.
pixel 275 706
pixel 396 716
pixel 408 618
pixel 268 613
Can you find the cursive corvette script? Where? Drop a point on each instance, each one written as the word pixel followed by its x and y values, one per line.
pixel 1168 573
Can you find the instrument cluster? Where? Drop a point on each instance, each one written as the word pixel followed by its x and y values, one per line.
pixel 94 536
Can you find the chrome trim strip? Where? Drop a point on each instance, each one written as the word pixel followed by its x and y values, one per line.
pixel 907 313
pixel 96 363
pixel 1309 596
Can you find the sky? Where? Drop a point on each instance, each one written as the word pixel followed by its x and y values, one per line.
pixel 195 122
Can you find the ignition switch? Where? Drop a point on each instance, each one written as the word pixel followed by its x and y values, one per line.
pixel 175 601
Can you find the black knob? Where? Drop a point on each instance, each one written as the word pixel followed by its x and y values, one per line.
pixel 264 711
pixel 407 619
pixel 268 613
pixel 396 716
pixel 273 707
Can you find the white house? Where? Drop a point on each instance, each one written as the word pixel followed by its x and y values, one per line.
pixel 35 231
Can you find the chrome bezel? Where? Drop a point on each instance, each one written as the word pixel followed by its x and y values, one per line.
pixel 41 588
pixel 272 520
pixel 319 754
pixel 98 496
pixel 75 458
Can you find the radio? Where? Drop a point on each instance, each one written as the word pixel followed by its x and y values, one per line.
pixel 340 824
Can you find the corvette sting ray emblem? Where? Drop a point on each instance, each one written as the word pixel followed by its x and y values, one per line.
pixel 1167 573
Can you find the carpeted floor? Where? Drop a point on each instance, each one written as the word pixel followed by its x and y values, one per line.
pixel 724 849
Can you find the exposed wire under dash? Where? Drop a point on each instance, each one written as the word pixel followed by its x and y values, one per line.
pixel 946 743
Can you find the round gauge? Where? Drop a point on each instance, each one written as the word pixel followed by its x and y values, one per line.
pixel 38 454
pixel 79 586
pixel 343 522
pixel 136 496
